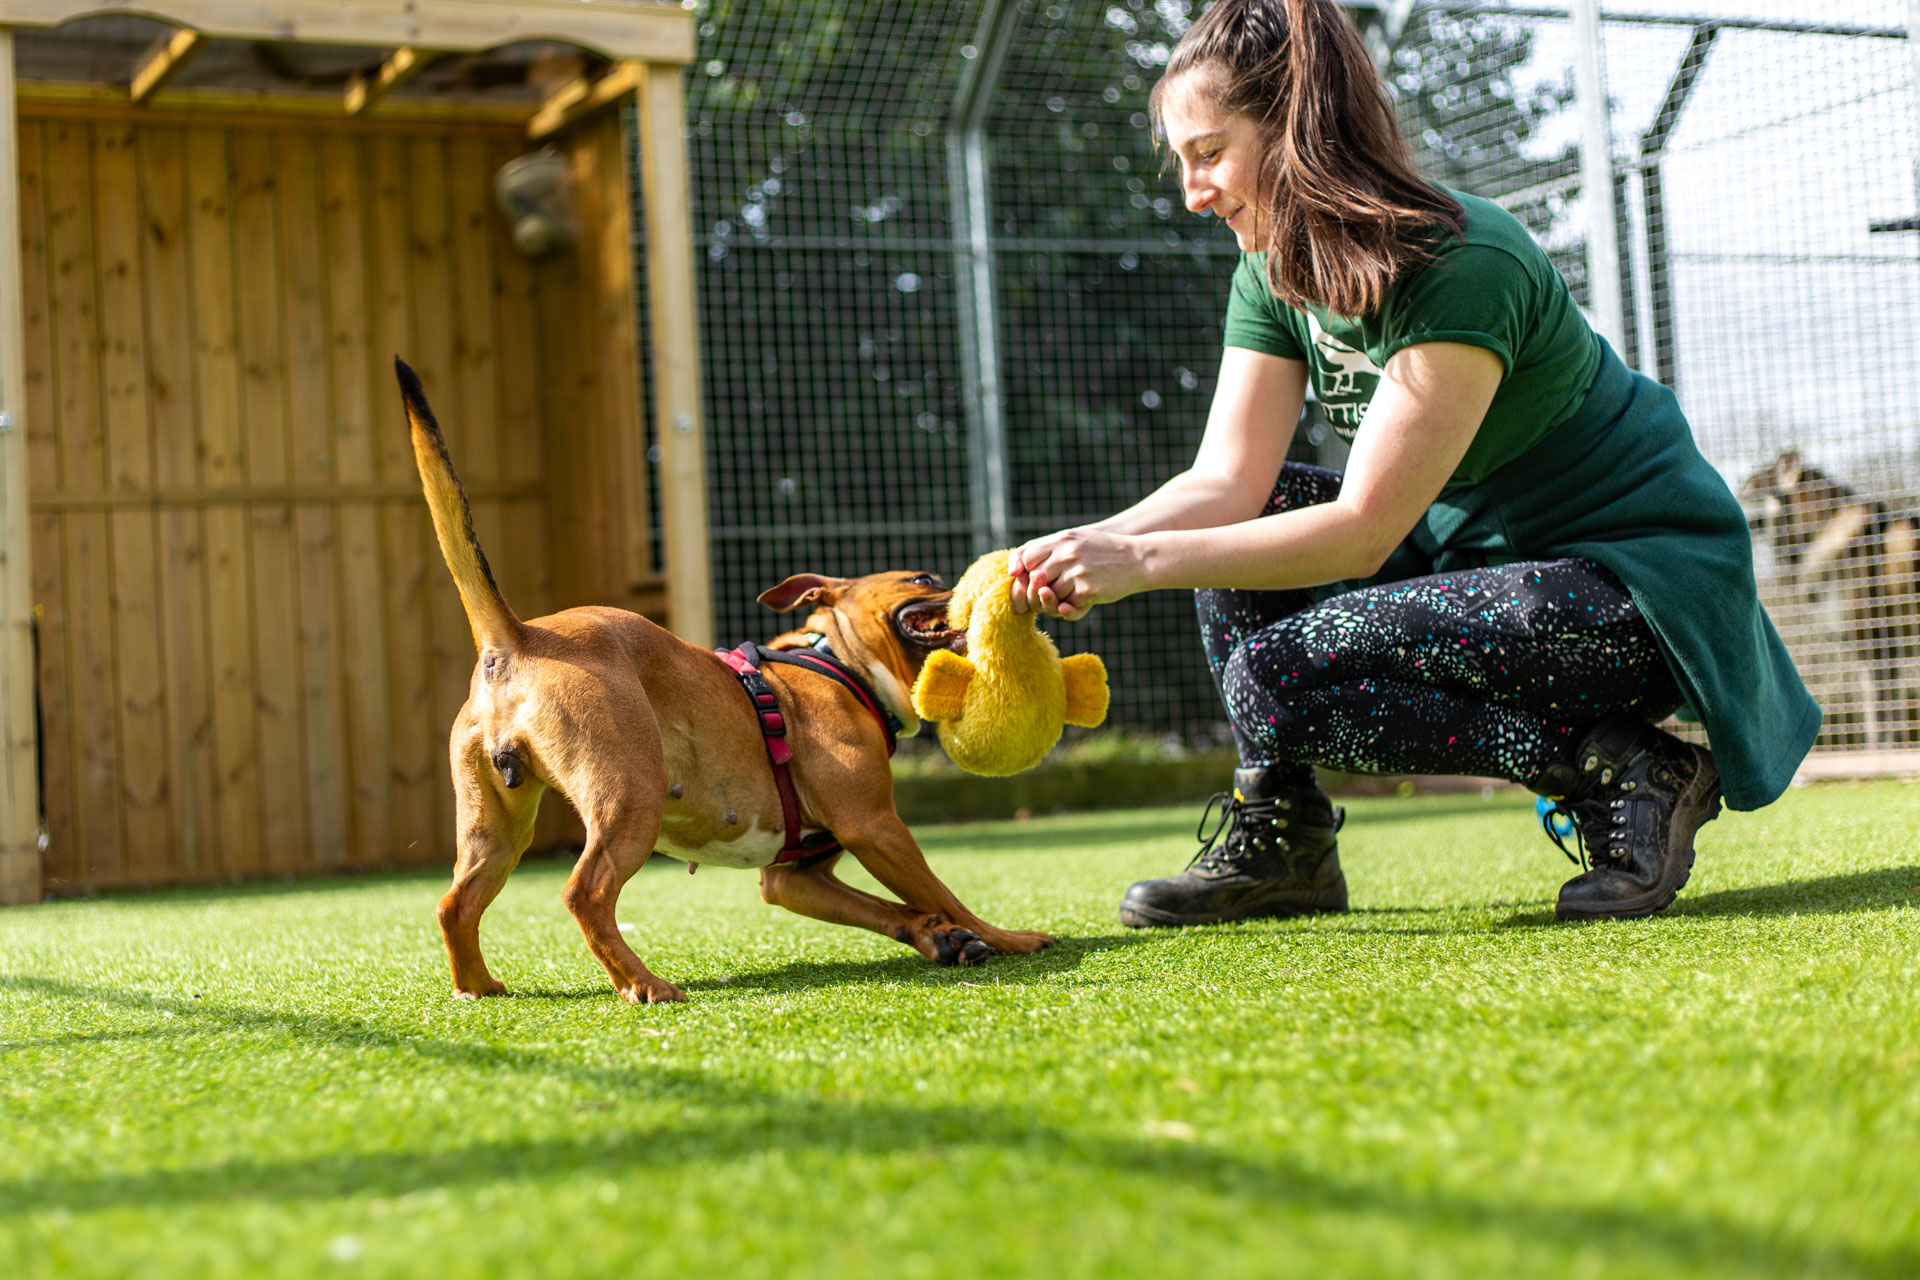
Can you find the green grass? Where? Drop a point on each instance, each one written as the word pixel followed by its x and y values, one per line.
pixel 274 1080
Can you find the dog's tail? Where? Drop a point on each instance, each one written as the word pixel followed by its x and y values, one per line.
pixel 494 624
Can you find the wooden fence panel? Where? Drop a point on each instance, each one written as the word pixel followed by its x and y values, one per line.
pixel 477 430
pixel 182 545
pixel 73 300
pixel 430 270
pixel 140 712
pixel 363 650
pixel 521 559
pixel 316 544
pixel 250 650
pixel 223 470
pixel 263 406
pixel 407 550
pixel 49 557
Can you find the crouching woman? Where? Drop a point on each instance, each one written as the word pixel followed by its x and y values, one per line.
pixel 1526 564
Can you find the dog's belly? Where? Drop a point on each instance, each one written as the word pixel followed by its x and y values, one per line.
pixel 751 848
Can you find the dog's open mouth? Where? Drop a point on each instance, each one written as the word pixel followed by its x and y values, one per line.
pixel 923 624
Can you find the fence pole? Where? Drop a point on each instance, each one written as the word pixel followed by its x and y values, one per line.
pixel 1653 147
pixel 19 748
pixel 1596 175
pixel 1913 47
pixel 973 256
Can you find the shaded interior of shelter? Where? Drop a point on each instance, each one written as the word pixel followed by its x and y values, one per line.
pixel 249 651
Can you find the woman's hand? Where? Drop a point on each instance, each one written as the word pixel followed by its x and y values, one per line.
pixel 1067 573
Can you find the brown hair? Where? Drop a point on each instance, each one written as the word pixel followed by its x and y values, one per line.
pixel 1343 208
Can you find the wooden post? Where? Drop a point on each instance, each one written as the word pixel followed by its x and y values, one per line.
pixel 676 354
pixel 19 781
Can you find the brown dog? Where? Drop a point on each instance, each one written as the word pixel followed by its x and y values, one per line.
pixel 1849 567
pixel 1821 529
pixel 658 747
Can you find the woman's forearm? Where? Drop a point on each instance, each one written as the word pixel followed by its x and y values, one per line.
pixel 1304 548
pixel 1190 500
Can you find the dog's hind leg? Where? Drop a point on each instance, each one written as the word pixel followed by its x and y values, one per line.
pixel 494 828
pixel 601 749
pixel 620 839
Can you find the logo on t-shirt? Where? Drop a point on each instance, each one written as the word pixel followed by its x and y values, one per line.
pixel 1344 379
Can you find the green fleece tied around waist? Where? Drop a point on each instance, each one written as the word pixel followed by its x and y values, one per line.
pixel 1622 483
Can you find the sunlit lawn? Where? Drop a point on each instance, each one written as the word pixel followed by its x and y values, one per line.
pixel 274 1080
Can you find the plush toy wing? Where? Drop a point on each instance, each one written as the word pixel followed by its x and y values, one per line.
pixel 1086 678
pixel 942 686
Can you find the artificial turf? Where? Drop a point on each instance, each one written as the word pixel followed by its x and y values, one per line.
pixel 272 1079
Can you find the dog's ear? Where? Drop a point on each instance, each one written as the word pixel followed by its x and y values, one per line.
pixel 801 588
pixel 1787 469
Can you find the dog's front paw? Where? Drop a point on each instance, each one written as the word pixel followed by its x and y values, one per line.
pixel 959 947
pixel 944 942
pixel 491 987
pixel 1021 941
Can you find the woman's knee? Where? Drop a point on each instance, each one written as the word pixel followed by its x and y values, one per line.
pixel 1264 668
pixel 1301 484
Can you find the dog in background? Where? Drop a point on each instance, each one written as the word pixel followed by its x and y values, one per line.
pixel 660 749
pixel 1857 561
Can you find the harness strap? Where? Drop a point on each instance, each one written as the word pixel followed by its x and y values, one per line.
pixel 773 728
pixel 821 660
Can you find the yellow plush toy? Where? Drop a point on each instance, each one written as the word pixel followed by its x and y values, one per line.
pixel 1001 707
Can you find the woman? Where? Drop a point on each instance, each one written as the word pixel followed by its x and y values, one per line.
pixel 1526 563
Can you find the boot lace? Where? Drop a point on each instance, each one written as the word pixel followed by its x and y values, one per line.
pixel 1593 824
pixel 1217 856
pixel 1602 819
pixel 1207 859
pixel 1558 821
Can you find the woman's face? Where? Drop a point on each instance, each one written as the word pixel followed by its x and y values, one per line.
pixel 1219 154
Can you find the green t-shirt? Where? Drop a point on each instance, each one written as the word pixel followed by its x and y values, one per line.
pixel 1493 287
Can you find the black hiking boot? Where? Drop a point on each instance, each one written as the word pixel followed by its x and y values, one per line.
pixel 1636 795
pixel 1279 858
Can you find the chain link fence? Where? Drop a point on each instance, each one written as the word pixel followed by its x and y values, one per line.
pixel 951 300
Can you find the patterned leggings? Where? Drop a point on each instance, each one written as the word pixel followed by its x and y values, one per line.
pixel 1491 672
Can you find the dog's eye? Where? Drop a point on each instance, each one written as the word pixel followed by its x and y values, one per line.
pixel 925 580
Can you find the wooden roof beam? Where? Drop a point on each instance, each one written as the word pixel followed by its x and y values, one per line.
pixel 166 58
pixel 365 91
pixel 648 32
pixel 582 96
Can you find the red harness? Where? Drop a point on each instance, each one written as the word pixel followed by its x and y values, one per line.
pixel 773 727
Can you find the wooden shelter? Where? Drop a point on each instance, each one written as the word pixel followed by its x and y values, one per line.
pixel 219 222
